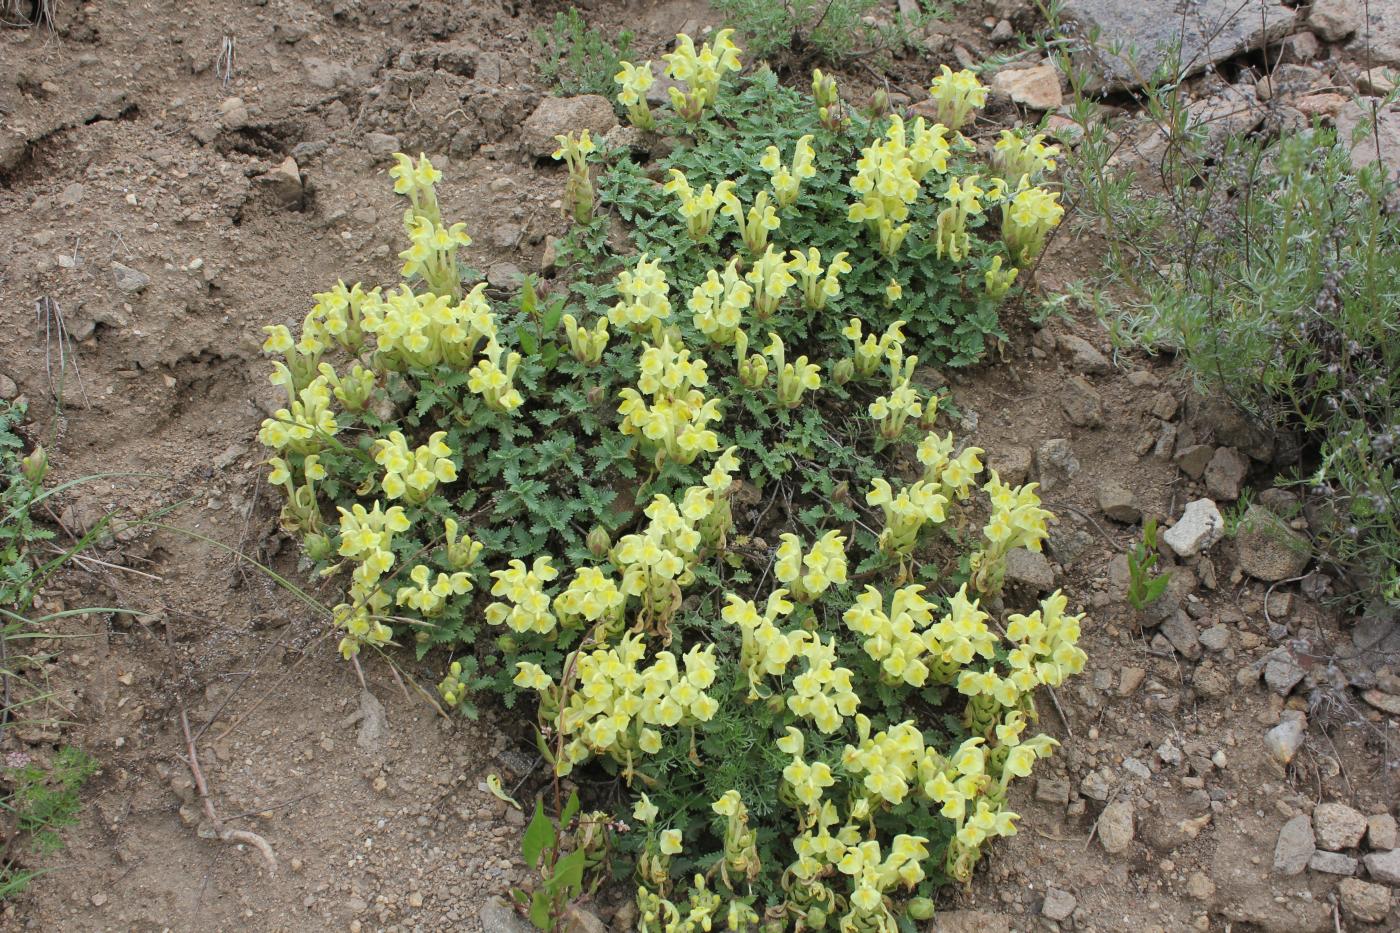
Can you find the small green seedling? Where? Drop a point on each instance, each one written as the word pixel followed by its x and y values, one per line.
pixel 1144 589
pixel 561 876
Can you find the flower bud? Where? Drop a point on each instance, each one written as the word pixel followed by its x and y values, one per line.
pixel 316 547
pixel 920 908
pixel 816 918
pixel 595 395
pixel 506 643
pixel 843 371
pixel 599 543
pixel 35 466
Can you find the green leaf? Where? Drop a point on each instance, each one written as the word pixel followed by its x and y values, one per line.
pixel 538 835
pixel 570 809
pixel 568 872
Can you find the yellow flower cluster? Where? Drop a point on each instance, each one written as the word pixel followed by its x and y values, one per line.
pixel 753 370
pixel 644 297
pixel 869 351
pixel 755 225
pixel 528 609
pixel 305 425
pixel 300 358
pixel 578 190
pixel 809 575
pixel 428 597
pixel 339 312
pixel 616 707
pixel 740 842
pixel 889 760
pixel 807 782
pixel 764 649
pixel 956 95
pixel 719 302
pixel 1027 219
pixel 818 283
pixel 964 199
pixel 794 378
pixel 494 382
pixel 586 345
pixel 906 513
pixel 892 412
pixel 823 692
pixel 896 640
pixel 635 81
pixel 592 596
pixel 952 475
pixel 1048 641
pixel 367 537
pixel 423 331
pixel 1017 520
pixel 432 251
pixel 675 420
pixel 353 390
pixel 771 277
pixel 701 71
pixel 655 562
pixel 872 875
pixel 698 210
pixel 413 475
pixel 788 179
pixel 888 177
pixel 1015 156
pixel 301 515
pixel 957 783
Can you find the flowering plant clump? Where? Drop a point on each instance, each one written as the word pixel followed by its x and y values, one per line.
pixel 687 543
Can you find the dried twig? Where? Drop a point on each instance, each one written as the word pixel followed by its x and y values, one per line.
pixel 217 828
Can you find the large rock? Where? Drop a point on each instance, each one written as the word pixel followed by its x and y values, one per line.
pixel 1118 502
pixel 1081 403
pixel 1379 42
pixel 1199 527
pixel 1055 463
pixel 1295 846
pixel 1363 901
pixel 556 116
pixel 1212 31
pixel 498 916
pixel 1268 549
pixel 1337 826
pixel 1284 739
pixel 1037 87
pixel 1116 827
pixel 283 185
pixel 129 280
pixel 1029 569
pixel 1384 866
pixel 1334 20
pixel 1224 474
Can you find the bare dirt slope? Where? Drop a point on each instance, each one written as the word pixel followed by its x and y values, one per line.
pixel 136 201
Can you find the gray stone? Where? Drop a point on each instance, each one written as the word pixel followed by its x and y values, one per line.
pixel 1081 403
pixel 1059 905
pixel 1334 20
pixel 1281 502
pixel 1163 406
pixel 381 145
pixel 284 185
pixel 1282 673
pixel 233 113
pixel 1118 502
pixel 1232 113
pixel 1295 847
pixel 1286 80
pixel 557 116
pixel 1337 826
pixel 1299 48
pixel 1221 420
pixel 1216 638
pixel 1376 82
pixel 1224 474
pixel 1029 569
pixel 129 280
pixel 1333 863
pixel 1084 356
pixel 1096 785
pixel 1053 791
pixel 1380 831
pixel 1268 549
pixel 1385 702
pixel 498 916
pixel 1384 866
pixel 1199 527
pixel 1364 901
pixel 1284 739
pixel 1193 460
pixel 1055 463
pixel 1181 632
pixel 1379 42
pixel 8 388
pixel 1037 87
pixel 1013 464
pixel 971 921
pixel 1116 827
pixel 71 196
pixel 504 275
pixel 1212 31
pixel 325 75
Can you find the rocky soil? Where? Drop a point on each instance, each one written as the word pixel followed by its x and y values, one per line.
pixel 1229 755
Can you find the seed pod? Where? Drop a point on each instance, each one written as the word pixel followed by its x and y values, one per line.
pixel 35 466
pixel 920 908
